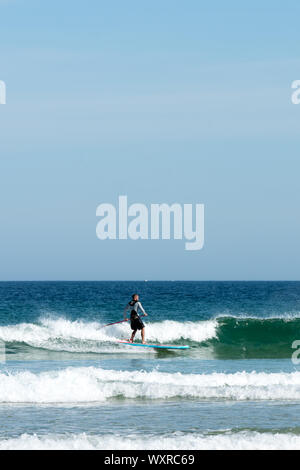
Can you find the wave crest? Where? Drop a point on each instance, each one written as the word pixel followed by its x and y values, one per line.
pixel 221 338
pixel 90 385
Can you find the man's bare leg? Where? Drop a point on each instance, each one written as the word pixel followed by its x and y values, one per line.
pixel 143 335
pixel 132 336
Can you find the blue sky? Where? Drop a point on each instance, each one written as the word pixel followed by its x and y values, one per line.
pixel 183 102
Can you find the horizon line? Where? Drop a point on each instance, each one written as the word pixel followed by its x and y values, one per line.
pixel 151 280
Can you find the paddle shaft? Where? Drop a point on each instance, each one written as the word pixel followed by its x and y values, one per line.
pixel 122 321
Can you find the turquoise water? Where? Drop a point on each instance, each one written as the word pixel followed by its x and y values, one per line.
pixel 67 383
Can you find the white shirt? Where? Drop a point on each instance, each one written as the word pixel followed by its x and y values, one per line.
pixel 136 307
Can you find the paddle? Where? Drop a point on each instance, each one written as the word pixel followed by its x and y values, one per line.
pixel 122 321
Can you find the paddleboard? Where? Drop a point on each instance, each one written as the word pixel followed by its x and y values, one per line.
pixel 155 346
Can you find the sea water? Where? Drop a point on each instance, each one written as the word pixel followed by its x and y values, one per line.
pixel 66 382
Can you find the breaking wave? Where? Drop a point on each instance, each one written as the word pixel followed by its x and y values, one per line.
pixel 222 337
pixel 91 385
pixel 243 440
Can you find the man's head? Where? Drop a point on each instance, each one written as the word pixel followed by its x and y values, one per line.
pixel 135 297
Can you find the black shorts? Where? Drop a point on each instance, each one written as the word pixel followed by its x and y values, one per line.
pixel 136 324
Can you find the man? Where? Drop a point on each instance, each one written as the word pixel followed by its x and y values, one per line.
pixel 136 323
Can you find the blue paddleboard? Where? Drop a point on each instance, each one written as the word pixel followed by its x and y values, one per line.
pixel 155 346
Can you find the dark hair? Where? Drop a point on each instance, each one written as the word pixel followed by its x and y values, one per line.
pixel 133 296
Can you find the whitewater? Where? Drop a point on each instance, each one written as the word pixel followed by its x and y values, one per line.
pixel 60 332
pixel 90 384
pixel 177 441
pixel 223 336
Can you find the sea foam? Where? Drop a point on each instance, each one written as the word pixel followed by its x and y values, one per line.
pixel 79 336
pixel 244 440
pixel 90 384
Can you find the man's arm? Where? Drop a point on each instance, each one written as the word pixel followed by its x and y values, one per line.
pixel 141 308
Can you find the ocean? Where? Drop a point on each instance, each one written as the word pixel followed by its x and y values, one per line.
pixel 66 382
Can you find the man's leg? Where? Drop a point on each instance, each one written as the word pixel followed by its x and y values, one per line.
pixel 132 336
pixel 143 335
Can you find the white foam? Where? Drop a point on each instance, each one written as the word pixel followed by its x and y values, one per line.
pixel 79 336
pixel 90 385
pixel 175 441
pixel 50 332
pixel 172 330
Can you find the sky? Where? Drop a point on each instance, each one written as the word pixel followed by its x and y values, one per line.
pixel 186 102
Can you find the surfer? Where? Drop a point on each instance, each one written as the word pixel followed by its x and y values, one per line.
pixel 135 321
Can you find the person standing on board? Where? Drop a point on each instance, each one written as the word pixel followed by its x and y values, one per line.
pixel 135 321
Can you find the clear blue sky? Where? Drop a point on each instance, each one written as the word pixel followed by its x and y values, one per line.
pixel 164 101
